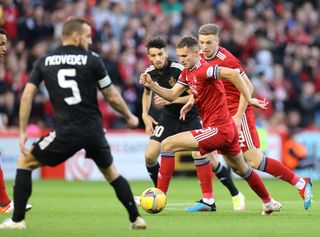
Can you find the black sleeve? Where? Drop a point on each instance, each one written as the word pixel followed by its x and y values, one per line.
pixel 177 73
pixel 101 73
pixel 35 76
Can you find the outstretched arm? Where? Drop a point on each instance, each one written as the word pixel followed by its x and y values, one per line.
pixel 24 114
pixel 180 100
pixel 243 104
pixel 168 94
pixel 116 101
pixel 234 77
pixel 147 119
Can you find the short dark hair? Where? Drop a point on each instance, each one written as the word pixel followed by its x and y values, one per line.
pixel 188 41
pixel 209 29
pixel 157 42
pixel 73 24
pixel 2 31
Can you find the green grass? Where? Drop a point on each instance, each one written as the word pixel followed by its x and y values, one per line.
pixel 90 209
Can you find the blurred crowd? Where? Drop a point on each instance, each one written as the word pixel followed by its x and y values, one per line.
pixel 277 42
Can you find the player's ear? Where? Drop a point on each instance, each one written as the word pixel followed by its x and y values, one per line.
pixel 75 37
pixel 166 52
pixel 196 52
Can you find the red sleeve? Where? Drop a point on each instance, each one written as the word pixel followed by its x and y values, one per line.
pixel 182 78
pixel 233 62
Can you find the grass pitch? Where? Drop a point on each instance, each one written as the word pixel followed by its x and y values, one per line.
pixel 90 209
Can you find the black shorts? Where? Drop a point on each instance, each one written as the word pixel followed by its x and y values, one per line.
pixel 54 149
pixel 168 126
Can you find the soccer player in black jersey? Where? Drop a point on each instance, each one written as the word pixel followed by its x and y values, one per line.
pixel 166 72
pixel 71 75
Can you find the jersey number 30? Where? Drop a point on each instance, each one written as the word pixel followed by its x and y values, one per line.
pixel 72 84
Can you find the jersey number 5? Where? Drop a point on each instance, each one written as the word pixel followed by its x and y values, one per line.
pixel 72 84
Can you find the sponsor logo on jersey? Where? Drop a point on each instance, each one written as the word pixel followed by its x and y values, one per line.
pixel 209 72
pixel 172 81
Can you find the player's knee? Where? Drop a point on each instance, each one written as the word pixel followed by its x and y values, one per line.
pixel 253 163
pixel 110 173
pixel 167 145
pixel 21 163
pixel 196 155
pixel 238 171
pixel 27 162
pixel 241 170
pixel 150 159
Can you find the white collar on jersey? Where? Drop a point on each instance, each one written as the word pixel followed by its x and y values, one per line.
pixel 198 64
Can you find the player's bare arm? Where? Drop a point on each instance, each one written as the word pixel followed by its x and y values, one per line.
pixel 168 94
pixel 24 114
pixel 235 78
pixel 242 103
pixel 116 101
pixel 147 119
pixel 180 100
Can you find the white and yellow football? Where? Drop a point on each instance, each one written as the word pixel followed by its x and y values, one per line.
pixel 153 200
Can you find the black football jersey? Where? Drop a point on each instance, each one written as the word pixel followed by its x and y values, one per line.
pixel 167 77
pixel 71 76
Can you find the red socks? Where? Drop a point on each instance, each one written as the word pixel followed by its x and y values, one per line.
pixel 3 194
pixel 277 169
pixel 256 184
pixel 166 170
pixel 205 174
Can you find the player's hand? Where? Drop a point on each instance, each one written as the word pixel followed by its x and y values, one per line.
pixel 149 123
pixel 133 121
pixel 237 121
pixel 22 144
pixel 146 80
pixel 158 100
pixel 184 110
pixel 262 104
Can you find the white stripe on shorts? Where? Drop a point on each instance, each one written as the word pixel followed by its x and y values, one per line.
pixel 47 140
pixel 246 131
pixel 206 134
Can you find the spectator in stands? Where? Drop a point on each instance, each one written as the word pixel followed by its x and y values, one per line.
pixel 260 33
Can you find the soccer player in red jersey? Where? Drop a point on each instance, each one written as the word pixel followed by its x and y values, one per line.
pixel 219 130
pixel 6 205
pixel 166 72
pixel 243 114
pixel 4 199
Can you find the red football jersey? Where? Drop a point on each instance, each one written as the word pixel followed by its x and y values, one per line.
pixel 226 59
pixel 208 92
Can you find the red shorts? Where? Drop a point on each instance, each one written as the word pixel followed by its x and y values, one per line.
pixel 222 138
pixel 248 137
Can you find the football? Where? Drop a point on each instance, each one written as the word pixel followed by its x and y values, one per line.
pixel 153 200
